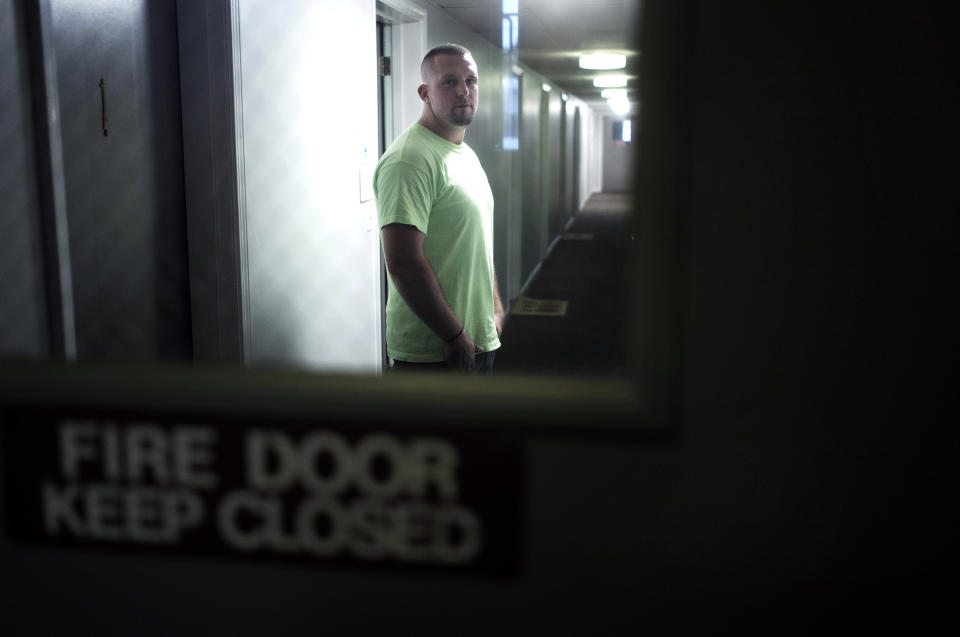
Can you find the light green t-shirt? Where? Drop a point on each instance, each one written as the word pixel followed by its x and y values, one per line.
pixel 440 188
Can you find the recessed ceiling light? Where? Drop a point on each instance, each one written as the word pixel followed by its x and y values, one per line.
pixel 610 93
pixel 604 81
pixel 603 61
pixel 619 106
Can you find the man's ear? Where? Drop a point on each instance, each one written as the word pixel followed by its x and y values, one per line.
pixel 423 92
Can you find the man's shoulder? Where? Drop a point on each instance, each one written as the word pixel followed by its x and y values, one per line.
pixel 410 146
pixel 410 153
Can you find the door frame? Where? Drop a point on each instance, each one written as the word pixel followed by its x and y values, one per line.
pixel 212 122
pixel 51 181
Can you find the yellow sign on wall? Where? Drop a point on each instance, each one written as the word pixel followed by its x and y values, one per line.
pixel 539 307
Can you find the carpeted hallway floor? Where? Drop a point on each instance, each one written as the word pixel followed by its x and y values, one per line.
pixel 587 268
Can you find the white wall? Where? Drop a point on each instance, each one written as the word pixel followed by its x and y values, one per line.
pixel 309 128
pixel 593 160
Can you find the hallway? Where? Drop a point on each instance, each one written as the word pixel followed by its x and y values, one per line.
pixel 586 267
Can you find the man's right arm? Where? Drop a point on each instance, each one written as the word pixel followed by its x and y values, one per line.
pixel 417 283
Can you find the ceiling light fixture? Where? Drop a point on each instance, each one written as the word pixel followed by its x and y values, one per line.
pixel 619 106
pixel 610 81
pixel 613 93
pixel 603 61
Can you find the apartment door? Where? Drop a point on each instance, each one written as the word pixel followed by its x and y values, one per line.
pixel 119 108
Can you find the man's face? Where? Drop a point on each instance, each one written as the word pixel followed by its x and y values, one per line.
pixel 452 88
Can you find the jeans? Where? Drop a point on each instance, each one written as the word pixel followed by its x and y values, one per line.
pixel 482 365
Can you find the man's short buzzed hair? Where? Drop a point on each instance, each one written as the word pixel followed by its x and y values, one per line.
pixel 441 49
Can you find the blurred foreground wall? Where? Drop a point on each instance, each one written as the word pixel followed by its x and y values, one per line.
pixel 803 147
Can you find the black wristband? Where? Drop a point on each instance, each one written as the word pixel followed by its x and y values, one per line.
pixel 455 336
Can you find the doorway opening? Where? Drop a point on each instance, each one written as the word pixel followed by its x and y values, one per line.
pixel 401 35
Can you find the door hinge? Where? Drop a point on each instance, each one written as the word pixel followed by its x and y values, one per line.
pixel 384 66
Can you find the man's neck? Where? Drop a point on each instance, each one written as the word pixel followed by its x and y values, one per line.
pixel 453 134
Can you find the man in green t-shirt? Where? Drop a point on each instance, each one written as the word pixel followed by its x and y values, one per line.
pixel 436 217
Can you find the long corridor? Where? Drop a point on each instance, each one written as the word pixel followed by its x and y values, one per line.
pixel 586 268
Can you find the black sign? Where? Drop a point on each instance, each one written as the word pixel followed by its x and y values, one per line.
pixel 446 501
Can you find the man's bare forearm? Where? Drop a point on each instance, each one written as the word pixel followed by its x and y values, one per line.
pixel 498 312
pixel 418 285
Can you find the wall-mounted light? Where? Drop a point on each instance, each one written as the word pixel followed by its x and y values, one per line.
pixel 603 61
pixel 607 81
pixel 516 70
pixel 613 93
pixel 563 96
pixel 546 87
